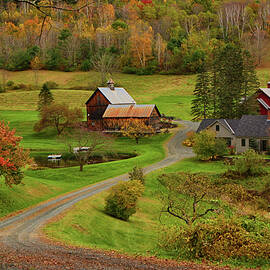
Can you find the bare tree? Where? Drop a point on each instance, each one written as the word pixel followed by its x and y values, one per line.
pixel 83 143
pixel 185 194
pixel 104 63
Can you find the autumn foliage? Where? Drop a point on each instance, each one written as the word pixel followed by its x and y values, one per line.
pixel 12 157
pixel 136 129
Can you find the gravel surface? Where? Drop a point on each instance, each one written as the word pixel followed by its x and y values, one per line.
pixel 21 246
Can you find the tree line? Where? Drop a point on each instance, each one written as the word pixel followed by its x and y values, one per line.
pixel 142 37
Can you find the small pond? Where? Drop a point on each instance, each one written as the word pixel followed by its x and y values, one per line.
pixel 70 161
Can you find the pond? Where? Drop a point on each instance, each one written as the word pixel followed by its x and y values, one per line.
pixel 67 160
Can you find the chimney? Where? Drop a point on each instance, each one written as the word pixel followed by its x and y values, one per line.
pixel 110 84
pixel 268 85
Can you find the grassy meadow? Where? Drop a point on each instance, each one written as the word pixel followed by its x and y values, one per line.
pixel 86 224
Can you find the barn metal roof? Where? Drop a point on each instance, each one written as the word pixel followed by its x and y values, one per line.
pixel 117 96
pixel 129 111
pixel 266 91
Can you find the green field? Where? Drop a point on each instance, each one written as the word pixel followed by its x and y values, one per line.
pixel 44 184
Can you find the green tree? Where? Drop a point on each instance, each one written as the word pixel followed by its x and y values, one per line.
pixel 207 147
pixel 45 97
pixel 202 95
pixel 122 199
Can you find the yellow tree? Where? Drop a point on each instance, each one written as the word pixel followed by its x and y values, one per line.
pixel 136 129
pixel 141 43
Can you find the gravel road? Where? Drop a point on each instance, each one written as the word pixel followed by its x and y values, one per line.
pixel 21 246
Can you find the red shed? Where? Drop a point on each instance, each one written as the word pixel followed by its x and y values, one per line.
pixel 264 99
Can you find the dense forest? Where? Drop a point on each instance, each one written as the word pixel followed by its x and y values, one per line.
pixel 143 37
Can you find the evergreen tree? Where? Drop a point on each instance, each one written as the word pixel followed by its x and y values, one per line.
pixel 250 85
pixel 230 81
pixel 201 102
pixel 45 97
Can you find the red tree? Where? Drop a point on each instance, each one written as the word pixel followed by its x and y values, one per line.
pixel 12 157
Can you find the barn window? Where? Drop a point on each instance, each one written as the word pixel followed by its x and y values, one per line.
pixel 98 100
pixel 93 123
pixel 217 127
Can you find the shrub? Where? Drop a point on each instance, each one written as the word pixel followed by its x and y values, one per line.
pixel 86 65
pixel 10 83
pixel 207 147
pixel 189 141
pixel 51 84
pixel 249 164
pixel 121 202
pixel 220 239
pixel 2 89
pixel 137 174
pixel 129 70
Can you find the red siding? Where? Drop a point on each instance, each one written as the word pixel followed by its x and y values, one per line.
pixel 266 99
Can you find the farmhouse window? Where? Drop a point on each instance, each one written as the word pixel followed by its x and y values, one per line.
pixel 217 127
pixel 243 142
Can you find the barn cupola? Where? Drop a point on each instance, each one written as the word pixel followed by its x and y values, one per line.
pixel 110 84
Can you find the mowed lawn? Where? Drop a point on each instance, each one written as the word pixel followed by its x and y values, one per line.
pixel 40 185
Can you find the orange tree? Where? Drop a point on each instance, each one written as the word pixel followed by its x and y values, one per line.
pixel 12 156
pixel 136 129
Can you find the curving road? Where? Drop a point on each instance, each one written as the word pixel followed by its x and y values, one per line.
pixel 22 248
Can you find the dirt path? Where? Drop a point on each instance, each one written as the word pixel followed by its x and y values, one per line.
pixel 21 247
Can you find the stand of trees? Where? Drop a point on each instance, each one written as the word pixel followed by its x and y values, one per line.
pixel 143 37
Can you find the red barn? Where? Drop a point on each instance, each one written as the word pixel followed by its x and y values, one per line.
pixel 264 99
pixel 109 106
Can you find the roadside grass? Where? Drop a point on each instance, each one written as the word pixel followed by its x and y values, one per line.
pixel 40 185
pixel 86 224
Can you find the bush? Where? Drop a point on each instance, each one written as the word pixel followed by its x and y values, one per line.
pixel 207 147
pixel 220 239
pixel 86 65
pixel 10 83
pixel 129 70
pixel 249 164
pixel 121 202
pixel 51 84
pixel 137 174
pixel 189 141
pixel 2 89
pixel 146 71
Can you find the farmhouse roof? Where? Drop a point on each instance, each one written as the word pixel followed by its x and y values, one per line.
pixel 129 111
pixel 117 96
pixel 266 91
pixel 230 124
pixel 253 126
pixel 256 126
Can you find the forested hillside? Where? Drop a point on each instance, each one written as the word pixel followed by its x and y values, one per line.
pixel 133 36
